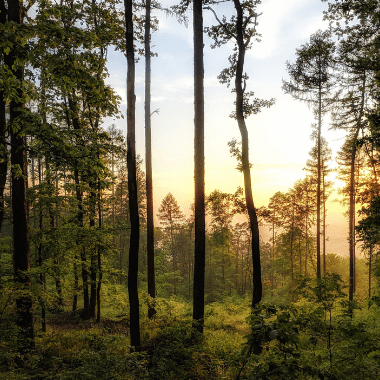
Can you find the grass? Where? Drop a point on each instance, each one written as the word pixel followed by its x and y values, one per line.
pixel 171 348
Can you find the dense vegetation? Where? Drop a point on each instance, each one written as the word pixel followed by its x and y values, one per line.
pixel 74 202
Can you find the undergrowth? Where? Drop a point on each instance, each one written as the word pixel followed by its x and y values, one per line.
pixel 297 341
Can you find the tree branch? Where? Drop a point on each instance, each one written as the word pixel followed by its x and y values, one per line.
pixel 220 23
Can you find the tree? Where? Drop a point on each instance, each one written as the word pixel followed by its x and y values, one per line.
pixel 359 57
pixel 172 218
pixel 199 169
pixel 311 80
pixel 349 115
pixel 220 207
pixel 132 182
pixel 148 161
pixel 241 29
pixel 14 62
pixel 3 128
pixel 312 168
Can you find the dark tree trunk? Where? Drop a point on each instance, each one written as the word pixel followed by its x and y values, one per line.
pixel 21 246
pixel 93 268
pixel 76 285
pixel 3 128
pixel 57 277
pixel 80 216
pixel 351 232
pixel 40 259
pixel 199 170
pixel 370 270
pixel 324 218
pixel 257 284
pixel 319 181
pixel 148 160
pixel 132 182
pixel 79 196
pixel 99 255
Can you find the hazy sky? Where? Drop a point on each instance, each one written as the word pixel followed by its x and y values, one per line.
pixel 279 136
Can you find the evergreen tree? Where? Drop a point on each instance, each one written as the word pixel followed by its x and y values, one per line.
pixel 171 218
pixel 326 188
pixel 311 80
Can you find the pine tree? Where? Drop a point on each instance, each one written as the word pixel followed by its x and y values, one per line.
pixel 311 80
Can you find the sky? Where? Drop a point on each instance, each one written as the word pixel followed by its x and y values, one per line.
pixel 279 137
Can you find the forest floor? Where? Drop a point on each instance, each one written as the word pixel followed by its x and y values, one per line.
pixel 296 341
pixel 74 349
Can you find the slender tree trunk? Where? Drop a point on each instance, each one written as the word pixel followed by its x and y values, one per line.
pixel 93 268
pixel 307 238
pixel 257 284
pixel 370 271
pixel 79 196
pixel 351 233
pixel 148 160
pixel 199 169
pixel 3 130
pixel 132 182
pixel 57 278
pixel 40 259
pixel 272 258
pixel 319 182
pixel 21 245
pixel 324 220
pixel 100 221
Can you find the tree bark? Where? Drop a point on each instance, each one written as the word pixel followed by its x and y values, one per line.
pixel 21 245
pixel 148 160
pixel 351 233
pixel 319 181
pixel 99 251
pixel 3 129
pixel 132 183
pixel 199 169
pixel 94 261
pixel 257 284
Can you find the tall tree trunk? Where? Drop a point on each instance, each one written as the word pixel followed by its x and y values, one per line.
pixel 199 169
pixel 94 261
pixel 324 219
pixel 21 245
pixel 319 181
pixel 39 258
pixel 57 277
pixel 3 130
pixel 351 233
pixel 257 284
pixel 100 221
pixel 148 160
pixel 370 270
pixel 132 182
pixel 79 196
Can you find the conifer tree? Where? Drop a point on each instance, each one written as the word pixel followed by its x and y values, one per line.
pixel 171 218
pixel 311 80
pixel 326 188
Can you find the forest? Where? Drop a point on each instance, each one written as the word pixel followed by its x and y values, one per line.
pixel 96 284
